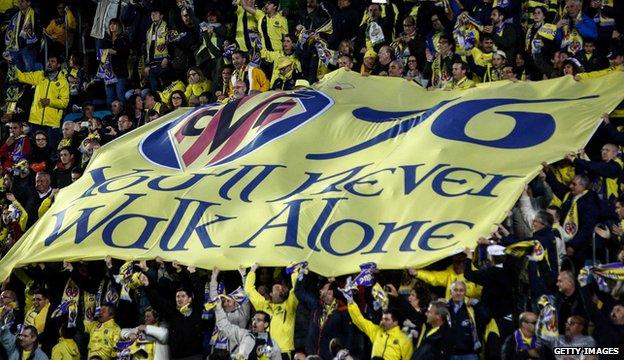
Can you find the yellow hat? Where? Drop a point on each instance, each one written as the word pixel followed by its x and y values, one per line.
pixel 370 53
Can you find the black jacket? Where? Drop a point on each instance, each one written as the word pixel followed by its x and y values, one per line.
pixel 185 332
pixel 606 333
pixel 497 288
pixel 337 325
pixel 434 347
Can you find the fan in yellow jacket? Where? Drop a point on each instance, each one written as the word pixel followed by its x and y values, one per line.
pixel 277 57
pixel 66 349
pixel 271 23
pixel 446 278
pixel 103 334
pixel 168 91
pixel 245 24
pixel 51 94
pixel 389 342
pixel 254 77
pixel 282 308
pixel 197 83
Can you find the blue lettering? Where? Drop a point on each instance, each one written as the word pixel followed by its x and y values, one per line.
pixel 368 234
pixel 192 225
pixel 530 129
pixel 350 186
pixel 491 185
pixel 321 220
pixel 293 209
pixel 156 183
pixel 430 234
pixel 82 223
pixel 443 177
pixel 148 230
pixel 409 180
pixel 99 179
pixel 257 180
pixel 391 228
pixel 314 178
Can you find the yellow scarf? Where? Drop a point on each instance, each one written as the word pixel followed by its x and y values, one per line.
pixel 71 296
pixel 570 223
pixel 612 185
pixel 160 36
pixel 186 310
pixel 38 320
pixel 89 306
pixel 427 334
pixel 327 311
pixel 7 308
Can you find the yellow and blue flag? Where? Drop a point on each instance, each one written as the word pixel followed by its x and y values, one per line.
pixel 354 170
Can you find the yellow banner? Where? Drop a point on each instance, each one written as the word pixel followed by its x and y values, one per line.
pixel 356 170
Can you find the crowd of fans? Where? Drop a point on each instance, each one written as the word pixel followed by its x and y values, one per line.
pixel 78 74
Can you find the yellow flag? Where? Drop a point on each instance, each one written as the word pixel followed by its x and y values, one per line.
pixel 356 169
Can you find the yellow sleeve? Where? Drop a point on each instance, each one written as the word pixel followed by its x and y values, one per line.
pixel 89 326
pixel 284 24
pixel 262 80
pixel 61 100
pixel 366 326
pixel 179 86
pixel 44 207
pixel 594 74
pixel 50 28
pixel 270 56
pixel 259 15
pixel 189 91
pixel 257 300
pixel 433 278
pixel 23 215
pixel 57 352
pixel 71 20
pixel 31 77
pixel 473 290
pixel 113 338
pixel 292 301
pixel 407 348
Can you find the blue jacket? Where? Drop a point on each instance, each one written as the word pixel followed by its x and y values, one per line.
pixel 586 28
pixel 13 351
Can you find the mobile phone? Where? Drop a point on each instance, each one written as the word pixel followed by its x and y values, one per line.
pixel 379 1
pixel 84 124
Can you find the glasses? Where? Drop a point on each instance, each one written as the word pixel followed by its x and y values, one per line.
pixel 530 322
pixel 176 98
pixel 41 139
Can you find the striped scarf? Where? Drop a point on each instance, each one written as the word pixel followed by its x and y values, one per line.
pixel 26 31
pixel 571 221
